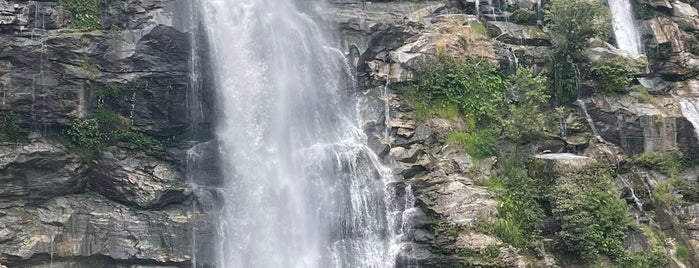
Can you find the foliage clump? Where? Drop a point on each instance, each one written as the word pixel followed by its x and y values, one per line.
pixel 571 24
pixel 10 130
pixel 593 220
pixel 85 13
pixel 525 120
pixel 479 144
pixel 524 16
pixel 461 87
pixel 614 75
pixel 106 127
pixel 669 163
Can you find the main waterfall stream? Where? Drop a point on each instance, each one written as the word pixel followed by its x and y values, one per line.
pixel 302 188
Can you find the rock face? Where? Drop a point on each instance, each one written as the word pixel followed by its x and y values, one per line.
pixel 120 206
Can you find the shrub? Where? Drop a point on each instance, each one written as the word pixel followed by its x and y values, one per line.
pixel 593 220
pixel 524 16
pixel 525 120
pixel 573 22
pixel 613 75
pixel 479 144
pixel 682 253
pixel 465 85
pixel 86 134
pixel 520 211
pixel 85 13
pixel 10 129
pixel 669 163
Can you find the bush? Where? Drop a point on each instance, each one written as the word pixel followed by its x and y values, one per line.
pixel 10 129
pixel 479 144
pixel 593 220
pixel 682 253
pixel 85 13
pixel 524 16
pixel 86 134
pixel 613 75
pixel 526 121
pixel 520 211
pixel 669 163
pixel 573 22
pixel 465 85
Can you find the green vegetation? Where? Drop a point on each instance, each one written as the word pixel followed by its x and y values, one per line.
pixel 525 120
pixel 480 28
pixel 107 128
pixel 682 253
pixel 524 16
pixel 571 24
pixel 520 212
pixel 593 220
pixel 479 144
pixel 613 75
pixel 669 163
pixel 463 87
pixel 9 129
pixel 85 13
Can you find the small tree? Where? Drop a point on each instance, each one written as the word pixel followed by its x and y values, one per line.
pixel 526 121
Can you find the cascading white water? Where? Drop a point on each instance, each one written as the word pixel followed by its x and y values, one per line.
pixel 690 110
pixel 625 31
pixel 302 188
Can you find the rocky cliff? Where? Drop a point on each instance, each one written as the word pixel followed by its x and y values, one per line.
pixel 391 42
pixel 96 201
pixel 103 122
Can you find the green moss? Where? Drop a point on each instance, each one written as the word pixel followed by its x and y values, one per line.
pixel 682 253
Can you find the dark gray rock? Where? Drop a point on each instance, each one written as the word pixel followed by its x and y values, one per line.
pixel 38 170
pixel 88 229
pixel 138 180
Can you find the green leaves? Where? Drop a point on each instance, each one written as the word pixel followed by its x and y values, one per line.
pixel 86 13
pixel 474 88
pixel 478 144
pixel 614 75
pixel 593 220
pixel 525 121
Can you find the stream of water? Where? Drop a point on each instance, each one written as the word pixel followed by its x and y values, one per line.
pixel 301 187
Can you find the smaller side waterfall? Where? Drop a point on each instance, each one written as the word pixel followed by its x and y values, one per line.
pixel 625 31
pixel 690 110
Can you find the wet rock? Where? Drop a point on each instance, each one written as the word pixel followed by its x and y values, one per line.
pixel 38 170
pixel 137 180
pixel 80 226
pixel 682 9
pixel 563 163
pixel 458 203
pixel 516 34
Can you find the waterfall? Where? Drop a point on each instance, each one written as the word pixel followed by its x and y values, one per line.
pixel 301 188
pixel 625 31
pixel 690 110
